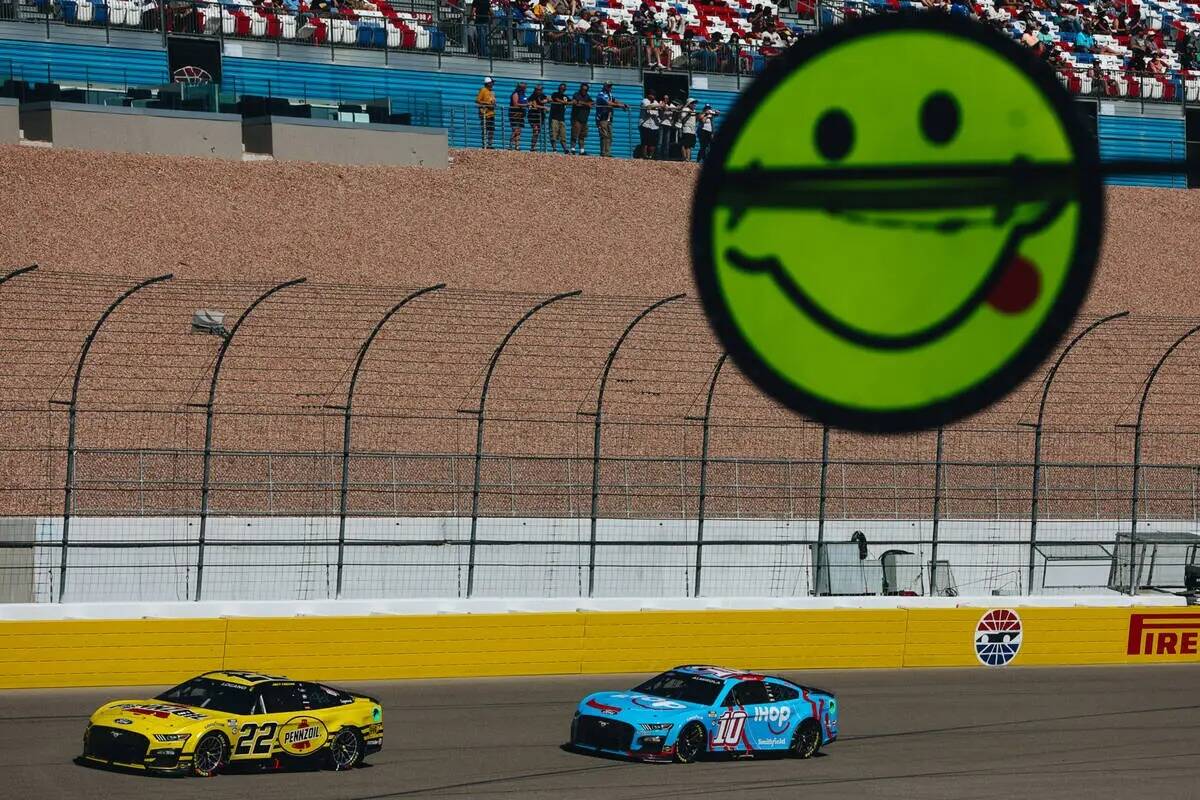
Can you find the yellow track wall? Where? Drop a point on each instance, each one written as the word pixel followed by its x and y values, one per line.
pixel 160 651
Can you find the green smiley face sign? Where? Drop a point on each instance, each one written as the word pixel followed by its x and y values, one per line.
pixel 898 221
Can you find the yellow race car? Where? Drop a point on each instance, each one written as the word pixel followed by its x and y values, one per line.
pixel 232 717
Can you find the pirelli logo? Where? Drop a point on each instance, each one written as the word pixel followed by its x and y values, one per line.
pixel 1164 635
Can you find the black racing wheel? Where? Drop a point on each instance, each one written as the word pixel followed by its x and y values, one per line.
pixel 211 756
pixel 692 742
pixel 806 742
pixel 346 749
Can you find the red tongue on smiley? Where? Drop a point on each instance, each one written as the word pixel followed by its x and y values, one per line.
pixel 1018 287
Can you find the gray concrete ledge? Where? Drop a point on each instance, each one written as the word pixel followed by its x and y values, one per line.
pixel 336 142
pixel 10 121
pixel 134 130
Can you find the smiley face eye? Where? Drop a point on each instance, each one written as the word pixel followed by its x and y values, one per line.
pixel 939 117
pixel 834 135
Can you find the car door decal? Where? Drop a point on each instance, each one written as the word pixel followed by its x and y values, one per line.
pixel 255 739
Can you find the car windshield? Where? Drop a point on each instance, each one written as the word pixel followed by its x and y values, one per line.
pixel 681 686
pixel 223 696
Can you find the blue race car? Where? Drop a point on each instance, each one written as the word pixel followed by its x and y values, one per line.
pixel 690 711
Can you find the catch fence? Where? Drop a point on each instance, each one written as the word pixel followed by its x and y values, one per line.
pixel 309 440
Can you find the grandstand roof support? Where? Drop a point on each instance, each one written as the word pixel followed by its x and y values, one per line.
pixel 1137 458
pixel 939 452
pixel 822 493
pixel 72 419
pixel 480 416
pixel 597 425
pixel 348 410
pixel 206 478
pixel 1035 495
pixel 703 488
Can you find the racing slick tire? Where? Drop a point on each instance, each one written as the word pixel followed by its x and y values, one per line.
pixel 806 742
pixel 347 749
pixel 692 742
pixel 211 756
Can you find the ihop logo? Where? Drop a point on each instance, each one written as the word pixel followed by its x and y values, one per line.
pixel 998 637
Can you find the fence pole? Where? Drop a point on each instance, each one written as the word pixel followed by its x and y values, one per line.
pixel 597 422
pixel 72 409
pixel 1035 495
pixel 206 476
pixel 708 403
pixel 348 411
pixel 937 507
pixel 1137 456
pixel 821 507
pixel 480 414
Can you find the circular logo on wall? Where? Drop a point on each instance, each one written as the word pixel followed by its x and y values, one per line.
pixel 998 637
pixel 302 736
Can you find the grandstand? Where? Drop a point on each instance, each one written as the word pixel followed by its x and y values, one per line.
pixel 1132 49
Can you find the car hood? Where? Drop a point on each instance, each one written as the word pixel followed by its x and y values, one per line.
pixel 155 716
pixel 636 707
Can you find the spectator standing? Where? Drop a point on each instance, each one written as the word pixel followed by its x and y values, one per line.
pixel 605 103
pixel 485 101
pixel 666 126
pixel 537 113
pixel 481 19
pixel 558 118
pixel 648 126
pixel 707 115
pixel 687 129
pixel 581 109
pixel 517 103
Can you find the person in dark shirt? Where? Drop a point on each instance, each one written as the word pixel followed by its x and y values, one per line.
pixel 605 103
pixel 481 17
pixel 517 104
pixel 558 118
pixel 537 113
pixel 581 108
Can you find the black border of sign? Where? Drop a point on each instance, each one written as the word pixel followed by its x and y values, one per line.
pixel 1089 233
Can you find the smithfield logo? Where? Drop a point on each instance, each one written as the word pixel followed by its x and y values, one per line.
pixel 998 637
pixel 1164 635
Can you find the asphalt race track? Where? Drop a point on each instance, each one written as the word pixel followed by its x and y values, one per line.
pixel 1102 733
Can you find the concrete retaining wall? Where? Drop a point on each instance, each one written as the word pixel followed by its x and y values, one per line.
pixel 134 130
pixel 334 142
pixel 10 122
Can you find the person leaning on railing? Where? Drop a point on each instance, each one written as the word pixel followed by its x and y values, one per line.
pixel 605 103
pixel 485 102
pixel 707 115
pixel 558 119
pixel 537 113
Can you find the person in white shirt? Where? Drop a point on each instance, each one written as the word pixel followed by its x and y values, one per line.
pixel 675 22
pixel 687 129
pixel 648 125
pixel 667 130
pixel 707 115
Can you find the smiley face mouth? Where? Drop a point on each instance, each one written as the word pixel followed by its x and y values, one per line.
pixel 901 198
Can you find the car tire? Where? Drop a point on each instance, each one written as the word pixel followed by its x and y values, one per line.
pixel 210 756
pixel 806 741
pixel 346 749
pixel 691 744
